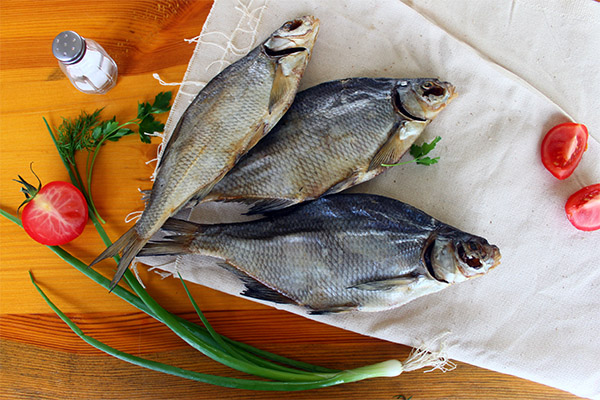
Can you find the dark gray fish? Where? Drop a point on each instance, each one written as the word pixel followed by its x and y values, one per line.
pixel 339 253
pixel 225 120
pixel 335 135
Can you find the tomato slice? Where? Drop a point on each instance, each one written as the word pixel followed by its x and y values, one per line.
pixel 56 215
pixel 563 147
pixel 583 208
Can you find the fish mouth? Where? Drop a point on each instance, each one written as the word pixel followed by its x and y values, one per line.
pixel 472 264
pixel 283 52
pixel 294 36
pixel 437 97
pixel 434 91
pixel 293 25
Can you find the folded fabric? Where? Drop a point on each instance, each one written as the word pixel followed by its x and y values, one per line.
pixel 519 68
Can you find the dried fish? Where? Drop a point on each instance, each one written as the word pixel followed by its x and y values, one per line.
pixel 227 118
pixel 342 252
pixel 335 135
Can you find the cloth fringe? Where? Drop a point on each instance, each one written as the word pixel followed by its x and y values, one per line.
pixel 423 356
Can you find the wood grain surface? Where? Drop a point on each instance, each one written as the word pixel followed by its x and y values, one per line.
pixel 40 358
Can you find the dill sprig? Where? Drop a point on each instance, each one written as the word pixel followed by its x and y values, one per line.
pixel 88 132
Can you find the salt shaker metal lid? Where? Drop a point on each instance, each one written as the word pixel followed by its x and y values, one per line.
pixel 68 47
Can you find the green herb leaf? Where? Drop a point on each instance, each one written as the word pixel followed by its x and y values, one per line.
pixel 107 129
pixel 119 134
pixel 424 149
pixel 76 134
pixel 149 125
pixel 427 160
pixel 162 103
pixel 419 153
pixel 143 110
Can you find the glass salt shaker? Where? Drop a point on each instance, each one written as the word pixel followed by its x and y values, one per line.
pixel 85 63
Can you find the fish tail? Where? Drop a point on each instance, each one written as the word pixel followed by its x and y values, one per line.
pixel 130 243
pixel 172 245
pixel 179 245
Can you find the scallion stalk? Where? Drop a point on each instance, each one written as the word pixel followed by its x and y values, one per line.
pixel 285 374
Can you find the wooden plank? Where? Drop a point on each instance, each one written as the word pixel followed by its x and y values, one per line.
pixel 67 366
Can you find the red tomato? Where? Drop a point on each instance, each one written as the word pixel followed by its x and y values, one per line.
pixel 563 147
pixel 56 215
pixel 583 208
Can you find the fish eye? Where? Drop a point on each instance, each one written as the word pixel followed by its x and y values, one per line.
pixel 293 25
pixel 432 89
pixel 471 261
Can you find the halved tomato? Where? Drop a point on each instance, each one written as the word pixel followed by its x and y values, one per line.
pixel 56 214
pixel 583 208
pixel 563 147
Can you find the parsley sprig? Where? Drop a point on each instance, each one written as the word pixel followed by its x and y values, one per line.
pixel 419 154
pixel 89 132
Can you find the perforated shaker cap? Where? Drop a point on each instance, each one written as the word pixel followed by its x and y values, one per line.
pixel 68 47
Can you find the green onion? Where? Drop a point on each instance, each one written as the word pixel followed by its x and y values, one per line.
pixel 387 368
pixel 285 374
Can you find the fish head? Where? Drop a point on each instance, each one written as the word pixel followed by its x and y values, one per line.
pixel 295 37
pixel 455 256
pixel 422 99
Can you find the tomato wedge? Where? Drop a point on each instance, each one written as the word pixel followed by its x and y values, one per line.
pixel 563 147
pixel 583 208
pixel 56 214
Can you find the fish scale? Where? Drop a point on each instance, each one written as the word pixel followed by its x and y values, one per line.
pixel 341 252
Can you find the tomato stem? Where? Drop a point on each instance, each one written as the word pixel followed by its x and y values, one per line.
pixel 28 189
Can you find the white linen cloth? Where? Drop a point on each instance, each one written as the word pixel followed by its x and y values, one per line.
pixel 520 68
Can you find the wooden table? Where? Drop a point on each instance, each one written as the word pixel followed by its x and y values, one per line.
pixel 40 357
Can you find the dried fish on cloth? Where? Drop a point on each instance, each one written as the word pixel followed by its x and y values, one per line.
pixel 535 316
pixel 336 135
pixel 225 120
pixel 340 253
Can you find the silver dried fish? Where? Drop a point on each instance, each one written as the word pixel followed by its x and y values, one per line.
pixel 335 135
pixel 227 118
pixel 339 253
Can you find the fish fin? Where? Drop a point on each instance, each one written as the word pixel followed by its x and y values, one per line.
pixel 256 205
pixel 146 195
pixel 281 87
pixel 181 226
pixel 130 243
pixel 164 248
pixel 263 206
pixel 389 153
pixel 385 284
pixel 342 185
pixel 254 288
pixel 335 309
pixel 201 194
pixel 116 247
pixel 172 245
